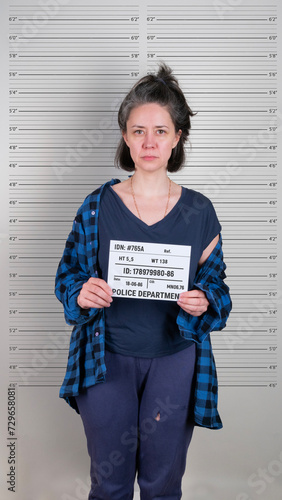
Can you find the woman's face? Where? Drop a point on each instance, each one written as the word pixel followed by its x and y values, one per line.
pixel 150 135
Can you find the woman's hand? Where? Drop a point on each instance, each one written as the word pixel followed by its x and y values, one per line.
pixel 95 293
pixel 193 302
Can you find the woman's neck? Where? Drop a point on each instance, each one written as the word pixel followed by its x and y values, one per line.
pixel 150 184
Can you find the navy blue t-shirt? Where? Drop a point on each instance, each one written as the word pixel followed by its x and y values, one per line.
pixel 143 327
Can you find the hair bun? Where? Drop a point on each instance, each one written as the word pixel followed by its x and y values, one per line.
pixel 165 74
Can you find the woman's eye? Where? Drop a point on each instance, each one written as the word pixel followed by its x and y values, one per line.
pixel 161 132
pixel 138 132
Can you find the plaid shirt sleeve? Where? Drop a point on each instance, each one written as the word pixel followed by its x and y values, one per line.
pixel 198 328
pixel 209 279
pixel 73 270
pixel 86 362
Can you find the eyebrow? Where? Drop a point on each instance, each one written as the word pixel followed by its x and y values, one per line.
pixel 142 126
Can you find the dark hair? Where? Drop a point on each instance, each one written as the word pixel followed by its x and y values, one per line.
pixel 163 89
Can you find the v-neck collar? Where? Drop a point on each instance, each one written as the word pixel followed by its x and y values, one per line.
pixel 139 221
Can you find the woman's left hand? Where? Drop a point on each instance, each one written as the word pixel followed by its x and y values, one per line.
pixel 193 302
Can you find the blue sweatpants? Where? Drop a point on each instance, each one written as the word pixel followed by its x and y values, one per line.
pixel 140 421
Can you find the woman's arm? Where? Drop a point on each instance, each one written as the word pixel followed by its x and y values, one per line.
pixel 206 253
pixel 195 301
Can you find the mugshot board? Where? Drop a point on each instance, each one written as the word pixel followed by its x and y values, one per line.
pixel 65 70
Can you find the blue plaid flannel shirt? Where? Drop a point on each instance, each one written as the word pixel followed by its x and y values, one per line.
pixel 86 364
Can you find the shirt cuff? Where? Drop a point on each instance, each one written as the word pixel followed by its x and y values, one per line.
pixel 197 328
pixel 74 314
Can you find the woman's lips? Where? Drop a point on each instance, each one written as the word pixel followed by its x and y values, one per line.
pixel 148 157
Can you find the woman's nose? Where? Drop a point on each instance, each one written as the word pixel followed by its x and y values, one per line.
pixel 149 140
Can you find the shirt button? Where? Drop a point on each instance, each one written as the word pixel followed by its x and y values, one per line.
pixel 97 334
pixel 93 212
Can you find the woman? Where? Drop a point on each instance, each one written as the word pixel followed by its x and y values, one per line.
pixel 141 372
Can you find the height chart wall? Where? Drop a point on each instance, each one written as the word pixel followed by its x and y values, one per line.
pixel 65 68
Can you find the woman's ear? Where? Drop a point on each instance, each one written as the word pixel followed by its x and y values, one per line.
pixel 124 137
pixel 177 137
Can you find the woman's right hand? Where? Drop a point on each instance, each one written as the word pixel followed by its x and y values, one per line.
pixel 95 293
